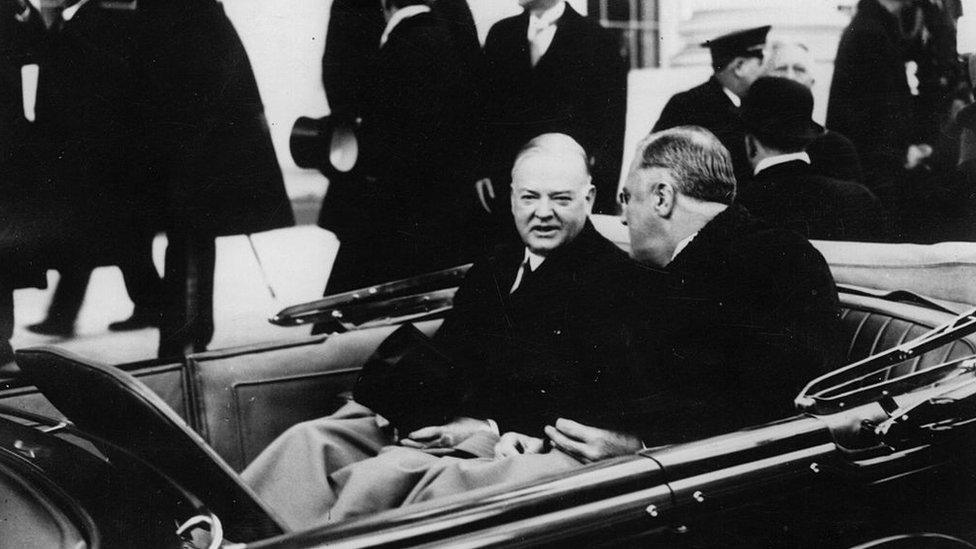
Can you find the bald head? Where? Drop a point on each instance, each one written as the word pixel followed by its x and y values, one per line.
pixel 551 192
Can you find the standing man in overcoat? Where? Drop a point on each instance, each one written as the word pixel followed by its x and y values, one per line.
pixel 208 155
pixel 870 100
pixel 416 148
pixel 737 59
pixel 552 70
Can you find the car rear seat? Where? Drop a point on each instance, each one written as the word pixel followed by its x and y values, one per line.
pixel 874 325
pixel 245 397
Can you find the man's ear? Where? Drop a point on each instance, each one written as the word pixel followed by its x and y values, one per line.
pixel 590 197
pixel 663 196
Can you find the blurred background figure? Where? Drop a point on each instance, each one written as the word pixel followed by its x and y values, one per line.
pixel 352 43
pixel 870 99
pixel 786 190
pixel 209 157
pixel 122 122
pixel 737 61
pixel 831 153
pixel 417 144
pixel 142 283
pixel 550 69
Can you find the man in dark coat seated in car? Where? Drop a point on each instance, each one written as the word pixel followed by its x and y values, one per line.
pixel 535 333
pixel 786 189
pixel 735 317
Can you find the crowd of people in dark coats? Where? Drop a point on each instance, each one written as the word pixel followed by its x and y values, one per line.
pixel 117 121
pixel 128 106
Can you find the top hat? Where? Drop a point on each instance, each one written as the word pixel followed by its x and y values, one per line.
pixel 779 108
pixel 743 43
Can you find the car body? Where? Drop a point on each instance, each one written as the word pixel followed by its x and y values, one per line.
pixel 879 453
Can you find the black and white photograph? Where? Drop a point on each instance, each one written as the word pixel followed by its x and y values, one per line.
pixel 301 274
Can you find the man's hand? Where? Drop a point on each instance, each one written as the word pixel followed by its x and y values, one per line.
pixel 484 189
pixel 917 155
pixel 448 435
pixel 513 444
pixel 589 444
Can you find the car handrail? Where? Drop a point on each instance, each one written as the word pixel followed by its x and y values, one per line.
pixel 322 310
pixel 813 397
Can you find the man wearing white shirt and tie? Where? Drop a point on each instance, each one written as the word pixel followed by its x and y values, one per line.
pixel 535 334
pixel 550 69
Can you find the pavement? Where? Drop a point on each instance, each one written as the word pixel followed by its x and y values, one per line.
pixel 296 262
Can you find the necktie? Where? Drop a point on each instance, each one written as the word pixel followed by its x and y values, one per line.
pixel 524 274
pixel 537 46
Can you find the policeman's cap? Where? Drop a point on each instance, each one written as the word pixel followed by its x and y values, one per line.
pixel 743 43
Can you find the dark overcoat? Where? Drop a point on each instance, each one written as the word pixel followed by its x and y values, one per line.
pixel 706 105
pixel 139 120
pixel 555 347
pixel 209 150
pixel 69 177
pixel 870 101
pixel 579 87
pixel 793 195
pixel 833 155
pixel 749 315
pixel 416 153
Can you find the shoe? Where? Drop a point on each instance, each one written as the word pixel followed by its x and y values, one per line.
pixel 51 328
pixel 138 321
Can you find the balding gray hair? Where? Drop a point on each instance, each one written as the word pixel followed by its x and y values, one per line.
pixel 556 144
pixel 698 162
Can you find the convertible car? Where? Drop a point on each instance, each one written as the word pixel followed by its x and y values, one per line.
pixel 880 453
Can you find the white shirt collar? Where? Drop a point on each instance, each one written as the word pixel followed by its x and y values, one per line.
pixel 735 99
pixel 547 18
pixel 68 13
pixel 770 161
pixel 533 258
pixel 683 244
pixel 400 15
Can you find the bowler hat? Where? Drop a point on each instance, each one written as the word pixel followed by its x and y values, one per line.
pixel 779 108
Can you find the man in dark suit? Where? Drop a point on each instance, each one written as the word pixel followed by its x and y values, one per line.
pixel 67 167
pixel 786 190
pixel 737 60
pixel 416 145
pixel 386 87
pixel 831 153
pixel 870 100
pixel 552 70
pixel 524 353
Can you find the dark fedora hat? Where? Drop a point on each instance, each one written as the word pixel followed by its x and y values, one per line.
pixel 779 108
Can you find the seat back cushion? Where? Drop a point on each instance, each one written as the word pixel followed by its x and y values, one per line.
pixel 248 396
pixel 873 325
pixel 166 380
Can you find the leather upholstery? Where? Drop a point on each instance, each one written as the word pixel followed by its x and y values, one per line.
pixel 166 380
pixel 248 396
pixel 112 404
pixel 874 325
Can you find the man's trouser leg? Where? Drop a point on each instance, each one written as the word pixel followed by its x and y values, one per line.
pixel 292 474
pixel 187 323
